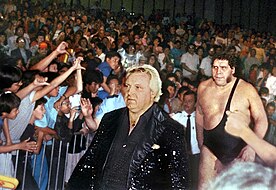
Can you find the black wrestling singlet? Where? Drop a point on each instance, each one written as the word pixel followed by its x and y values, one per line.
pixel 224 146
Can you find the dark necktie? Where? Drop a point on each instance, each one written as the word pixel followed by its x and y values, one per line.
pixel 188 133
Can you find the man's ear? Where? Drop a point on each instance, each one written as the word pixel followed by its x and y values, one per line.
pixel 233 70
pixel 4 114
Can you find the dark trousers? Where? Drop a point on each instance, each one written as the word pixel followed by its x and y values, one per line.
pixel 193 170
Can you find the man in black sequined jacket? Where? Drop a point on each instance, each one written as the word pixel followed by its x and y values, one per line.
pixel 137 147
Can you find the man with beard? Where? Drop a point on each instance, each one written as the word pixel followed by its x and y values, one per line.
pixel 217 95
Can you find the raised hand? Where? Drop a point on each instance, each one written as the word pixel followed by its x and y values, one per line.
pixel 61 49
pixel 40 81
pixel 86 107
pixel 77 65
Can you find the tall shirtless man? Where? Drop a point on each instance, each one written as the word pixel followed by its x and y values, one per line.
pixel 224 92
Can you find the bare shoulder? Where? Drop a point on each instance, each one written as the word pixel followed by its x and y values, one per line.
pixel 204 85
pixel 247 88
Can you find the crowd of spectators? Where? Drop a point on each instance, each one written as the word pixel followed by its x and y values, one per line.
pixel 44 40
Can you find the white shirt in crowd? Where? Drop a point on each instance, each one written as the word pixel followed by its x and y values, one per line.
pixel 182 117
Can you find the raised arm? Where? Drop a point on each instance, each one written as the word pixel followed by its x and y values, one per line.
pixel 57 81
pixel 44 63
pixel 72 89
pixel 266 151
pixel 87 111
pixel 39 81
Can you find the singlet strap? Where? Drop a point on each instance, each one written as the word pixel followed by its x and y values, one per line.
pixel 231 95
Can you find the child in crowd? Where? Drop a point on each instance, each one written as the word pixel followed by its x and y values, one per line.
pixel 9 104
pixel 71 130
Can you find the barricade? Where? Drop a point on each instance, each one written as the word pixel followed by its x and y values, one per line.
pixel 53 162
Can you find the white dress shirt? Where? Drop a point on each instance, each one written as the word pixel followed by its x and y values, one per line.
pixel 182 117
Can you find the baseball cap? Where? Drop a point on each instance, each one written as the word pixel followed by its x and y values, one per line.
pixel 43 45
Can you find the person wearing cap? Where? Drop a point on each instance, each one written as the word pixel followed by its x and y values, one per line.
pixel 40 37
pixel 42 52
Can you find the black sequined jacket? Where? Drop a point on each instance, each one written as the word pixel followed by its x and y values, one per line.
pixel 158 162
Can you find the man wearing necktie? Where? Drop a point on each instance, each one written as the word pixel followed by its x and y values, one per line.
pixel 187 119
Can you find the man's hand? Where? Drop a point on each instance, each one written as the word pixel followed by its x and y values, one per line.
pixel 40 81
pixel 28 146
pixel 77 64
pixel 86 107
pixel 236 123
pixel 61 49
pixel 247 154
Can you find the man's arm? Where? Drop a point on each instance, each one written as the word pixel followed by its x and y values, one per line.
pixel 199 125
pixel 24 145
pixel 44 63
pixel 6 132
pixel 39 81
pixel 184 66
pixel 71 90
pixel 259 117
pixel 57 81
pixel 266 151
pixel 257 113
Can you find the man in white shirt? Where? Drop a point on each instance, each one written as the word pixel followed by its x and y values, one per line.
pixel 190 63
pixel 271 83
pixel 189 102
pixel 206 64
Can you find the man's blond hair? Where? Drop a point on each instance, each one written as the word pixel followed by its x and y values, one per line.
pixel 155 81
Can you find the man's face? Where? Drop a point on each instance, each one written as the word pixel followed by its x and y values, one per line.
pixel 12 115
pixel 253 53
pixel 40 39
pixel 113 62
pixel 114 83
pixel 270 110
pixel 191 49
pixel 20 32
pixel 53 68
pixel 189 103
pixel 15 86
pixel 65 106
pixel 138 95
pixel 93 87
pixel 21 43
pixel 42 51
pixel 171 91
pixel 222 72
pixel 39 112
